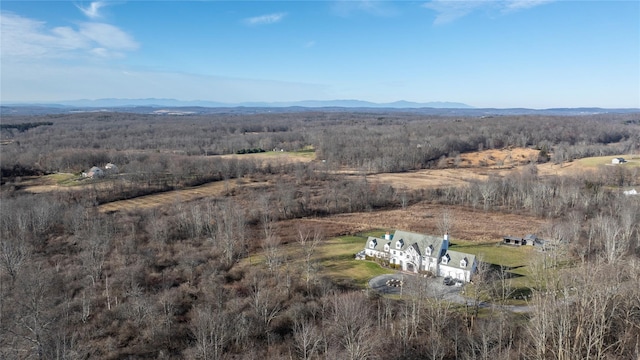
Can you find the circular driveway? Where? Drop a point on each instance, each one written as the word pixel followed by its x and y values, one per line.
pixel 382 285
pixel 379 283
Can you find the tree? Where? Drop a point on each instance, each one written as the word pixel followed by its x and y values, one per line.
pixel 212 328
pixel 353 327
pixel 308 240
pixel 307 339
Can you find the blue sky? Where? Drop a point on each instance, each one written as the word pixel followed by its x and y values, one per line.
pixel 525 53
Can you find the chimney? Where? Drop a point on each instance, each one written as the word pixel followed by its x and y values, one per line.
pixel 387 236
pixel 446 236
pixel 445 242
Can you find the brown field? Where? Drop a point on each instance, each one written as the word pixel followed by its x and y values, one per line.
pixel 469 224
pixel 472 166
pixel 168 197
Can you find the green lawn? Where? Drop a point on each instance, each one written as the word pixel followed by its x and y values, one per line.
pixel 517 259
pixel 336 257
pixel 64 179
pixel 632 160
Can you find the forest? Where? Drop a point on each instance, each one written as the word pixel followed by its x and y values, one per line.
pixel 215 277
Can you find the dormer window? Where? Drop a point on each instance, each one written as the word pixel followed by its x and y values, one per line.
pixel 463 263
pixel 445 259
pixel 428 250
pixel 399 244
pixel 386 247
pixel 372 244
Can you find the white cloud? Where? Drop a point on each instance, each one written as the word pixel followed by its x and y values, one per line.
pixel 23 37
pixel 451 10
pixel 24 82
pixel 372 7
pixel 265 19
pixel 310 44
pixel 108 36
pixel 93 10
pixel 524 4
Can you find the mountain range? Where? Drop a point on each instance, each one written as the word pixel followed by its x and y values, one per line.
pixel 179 107
pixel 155 102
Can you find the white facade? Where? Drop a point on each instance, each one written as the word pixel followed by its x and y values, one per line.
pixel 415 252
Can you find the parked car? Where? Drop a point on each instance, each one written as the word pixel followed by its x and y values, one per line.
pixel 448 281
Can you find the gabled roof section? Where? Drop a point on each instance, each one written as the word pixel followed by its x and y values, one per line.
pixel 456 256
pixel 416 248
pixel 422 241
pixel 379 243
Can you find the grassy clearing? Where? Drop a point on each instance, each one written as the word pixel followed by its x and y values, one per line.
pixel 336 257
pixel 632 160
pixel 63 179
pixel 517 259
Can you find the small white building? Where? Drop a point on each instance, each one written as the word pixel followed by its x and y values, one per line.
pixel 111 168
pixel 94 172
pixel 618 160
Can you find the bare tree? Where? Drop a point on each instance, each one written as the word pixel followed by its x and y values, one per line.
pixel 446 223
pixel 309 241
pixel 13 253
pixel 212 328
pixel 308 339
pixel 353 327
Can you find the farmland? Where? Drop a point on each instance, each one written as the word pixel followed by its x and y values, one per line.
pixel 194 240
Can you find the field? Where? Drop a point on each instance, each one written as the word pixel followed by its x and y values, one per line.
pixel 475 166
pixel 632 160
pixel 475 231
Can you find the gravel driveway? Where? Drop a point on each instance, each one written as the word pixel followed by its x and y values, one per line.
pixel 383 284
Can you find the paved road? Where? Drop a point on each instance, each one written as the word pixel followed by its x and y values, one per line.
pixel 437 289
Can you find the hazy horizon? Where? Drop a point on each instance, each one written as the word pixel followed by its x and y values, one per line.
pixel 534 54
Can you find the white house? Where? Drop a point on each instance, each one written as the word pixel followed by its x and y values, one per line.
pixel 415 252
pixel 111 168
pixel 94 172
pixel 618 160
pixel 457 265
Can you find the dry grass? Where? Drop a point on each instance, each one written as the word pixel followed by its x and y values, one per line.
pixel 217 188
pixel 472 167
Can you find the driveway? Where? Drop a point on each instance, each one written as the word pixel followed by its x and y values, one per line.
pixel 395 284
pixel 384 284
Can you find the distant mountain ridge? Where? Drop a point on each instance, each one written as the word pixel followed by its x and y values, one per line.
pixel 155 102
pixel 177 107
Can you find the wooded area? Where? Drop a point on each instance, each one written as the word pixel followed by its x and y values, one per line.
pixel 211 278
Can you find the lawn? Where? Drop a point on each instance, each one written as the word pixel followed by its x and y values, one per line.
pixel 336 257
pixel 632 160
pixel 63 179
pixel 516 259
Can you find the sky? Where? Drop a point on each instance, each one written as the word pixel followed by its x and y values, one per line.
pixel 501 53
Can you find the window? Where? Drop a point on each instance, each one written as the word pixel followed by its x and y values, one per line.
pixel 463 263
pixel 428 250
pixel 372 244
pixel 445 259
pixel 399 244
